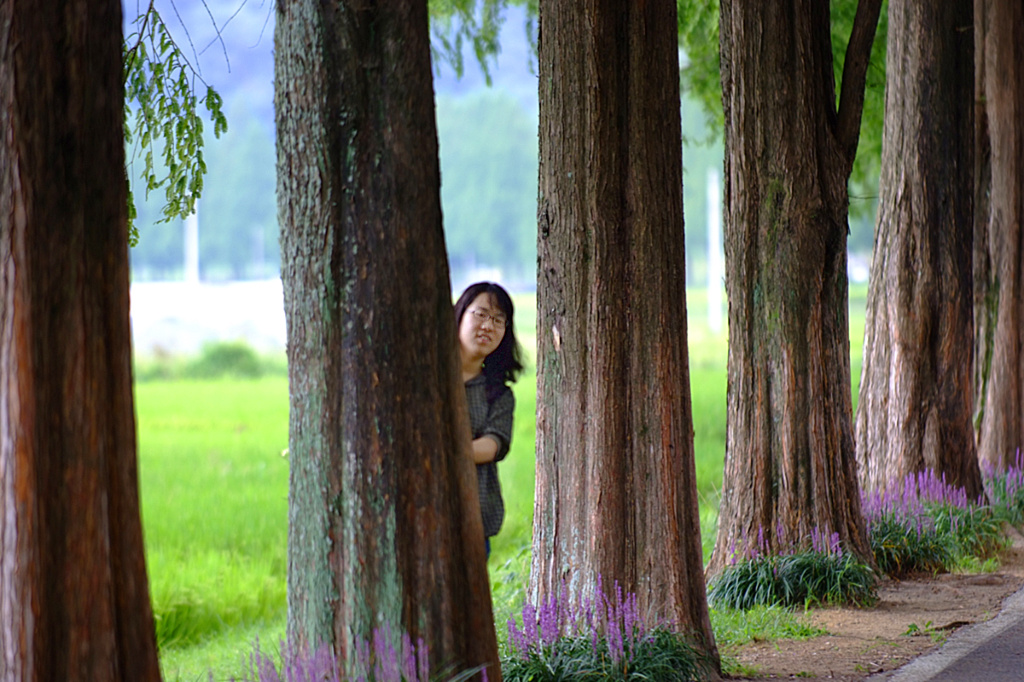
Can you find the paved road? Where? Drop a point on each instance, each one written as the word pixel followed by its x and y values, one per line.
pixel 992 651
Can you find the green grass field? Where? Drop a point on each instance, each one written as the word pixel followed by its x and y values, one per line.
pixel 214 489
pixel 214 493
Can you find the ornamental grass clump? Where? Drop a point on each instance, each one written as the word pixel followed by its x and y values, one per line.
pixel 925 524
pixel 902 533
pixel 974 531
pixel 907 545
pixel 1005 490
pixel 598 639
pixel 794 576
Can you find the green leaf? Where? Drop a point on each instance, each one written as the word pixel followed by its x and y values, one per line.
pixel 160 88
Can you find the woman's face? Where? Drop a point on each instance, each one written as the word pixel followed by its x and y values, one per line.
pixel 482 327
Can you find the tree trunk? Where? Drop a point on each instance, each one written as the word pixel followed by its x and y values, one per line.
pixel 998 249
pixel 74 595
pixel 384 525
pixel 616 485
pixel 789 461
pixel 915 401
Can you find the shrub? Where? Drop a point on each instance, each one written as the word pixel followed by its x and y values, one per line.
pixel 599 639
pixel 225 359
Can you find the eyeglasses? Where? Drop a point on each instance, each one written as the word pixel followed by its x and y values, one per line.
pixel 482 316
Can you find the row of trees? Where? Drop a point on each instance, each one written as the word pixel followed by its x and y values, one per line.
pixel 615 492
pixel 941 368
pixel 382 525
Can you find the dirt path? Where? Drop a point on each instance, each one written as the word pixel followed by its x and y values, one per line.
pixel 862 642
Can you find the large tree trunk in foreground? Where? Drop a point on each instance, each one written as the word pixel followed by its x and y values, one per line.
pixel 616 486
pixel 789 461
pixel 385 524
pixel 998 248
pixel 915 401
pixel 74 596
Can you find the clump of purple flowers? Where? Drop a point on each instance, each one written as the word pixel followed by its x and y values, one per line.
pixel 923 523
pixel 909 499
pixel 615 622
pixel 1005 489
pixel 601 637
pixel 821 541
pixel 379 659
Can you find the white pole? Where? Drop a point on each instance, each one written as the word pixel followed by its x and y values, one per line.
pixel 192 247
pixel 716 259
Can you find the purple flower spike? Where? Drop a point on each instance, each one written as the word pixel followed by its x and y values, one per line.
pixel 422 660
pixel 408 658
pixel 549 622
pixel 530 625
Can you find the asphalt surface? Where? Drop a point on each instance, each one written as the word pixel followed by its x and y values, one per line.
pixel 992 651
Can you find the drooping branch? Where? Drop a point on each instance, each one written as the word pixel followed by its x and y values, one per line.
pixel 161 97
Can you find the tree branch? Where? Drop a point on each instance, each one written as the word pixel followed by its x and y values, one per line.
pixel 855 69
pixel 129 53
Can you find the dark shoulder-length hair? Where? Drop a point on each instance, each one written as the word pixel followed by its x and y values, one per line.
pixel 504 364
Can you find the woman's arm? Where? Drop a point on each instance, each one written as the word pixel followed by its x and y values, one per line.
pixel 485 448
pixel 499 424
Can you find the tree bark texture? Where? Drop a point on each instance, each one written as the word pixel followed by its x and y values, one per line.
pixel 384 526
pixel 998 249
pixel 789 461
pixel 616 485
pixel 914 410
pixel 74 597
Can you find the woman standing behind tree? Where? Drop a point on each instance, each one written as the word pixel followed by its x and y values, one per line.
pixel 490 357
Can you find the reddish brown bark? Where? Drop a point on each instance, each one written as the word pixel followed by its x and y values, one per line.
pixel 914 410
pixel 73 588
pixel 384 520
pixel 616 487
pixel 998 248
pixel 789 462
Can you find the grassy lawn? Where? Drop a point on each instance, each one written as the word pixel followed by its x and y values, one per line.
pixel 215 509
pixel 215 498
